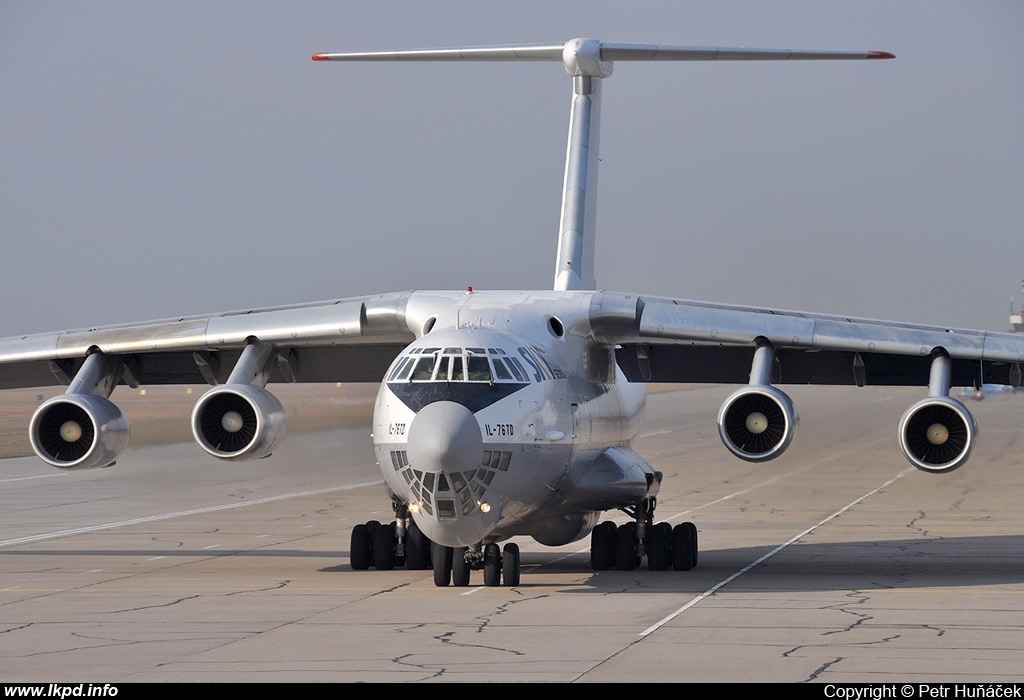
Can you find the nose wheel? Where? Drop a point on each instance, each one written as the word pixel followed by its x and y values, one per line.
pixel 453 565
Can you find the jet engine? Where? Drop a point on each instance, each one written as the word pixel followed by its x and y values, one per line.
pixel 78 431
pixel 937 434
pixel 238 422
pixel 757 423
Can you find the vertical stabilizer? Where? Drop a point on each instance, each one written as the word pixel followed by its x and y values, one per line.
pixel 589 62
pixel 574 266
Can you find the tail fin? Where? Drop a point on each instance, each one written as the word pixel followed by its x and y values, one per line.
pixel 588 62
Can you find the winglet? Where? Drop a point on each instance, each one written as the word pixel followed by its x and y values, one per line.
pixel 320 57
pixel 874 54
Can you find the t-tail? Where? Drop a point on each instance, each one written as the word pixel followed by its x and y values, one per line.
pixel 588 62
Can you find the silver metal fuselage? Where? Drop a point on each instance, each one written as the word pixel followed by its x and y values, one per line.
pixel 488 424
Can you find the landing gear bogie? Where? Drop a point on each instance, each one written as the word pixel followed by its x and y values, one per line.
pixel 387 545
pixel 624 547
pixel 453 565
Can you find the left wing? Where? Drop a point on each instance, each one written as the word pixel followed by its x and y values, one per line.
pixel 676 340
pixel 671 340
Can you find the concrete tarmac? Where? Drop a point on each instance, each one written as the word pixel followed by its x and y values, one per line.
pixel 836 563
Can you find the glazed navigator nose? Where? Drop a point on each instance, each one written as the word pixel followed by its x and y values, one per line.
pixel 445 437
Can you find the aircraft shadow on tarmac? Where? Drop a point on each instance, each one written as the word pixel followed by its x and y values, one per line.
pixel 904 563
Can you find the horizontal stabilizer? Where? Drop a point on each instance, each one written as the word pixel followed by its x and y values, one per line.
pixel 609 51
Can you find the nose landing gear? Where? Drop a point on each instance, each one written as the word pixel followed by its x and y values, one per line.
pixel 452 565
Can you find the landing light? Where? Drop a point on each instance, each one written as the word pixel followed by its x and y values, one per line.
pixel 414 507
pixel 485 507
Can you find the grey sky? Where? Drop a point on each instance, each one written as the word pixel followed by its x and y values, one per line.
pixel 163 159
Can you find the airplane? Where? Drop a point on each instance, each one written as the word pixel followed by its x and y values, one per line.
pixel 512 413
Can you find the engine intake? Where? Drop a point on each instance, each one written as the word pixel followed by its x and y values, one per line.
pixel 239 422
pixel 937 434
pixel 79 431
pixel 757 423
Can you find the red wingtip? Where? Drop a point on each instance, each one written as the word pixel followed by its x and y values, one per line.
pixel 880 54
pixel 319 57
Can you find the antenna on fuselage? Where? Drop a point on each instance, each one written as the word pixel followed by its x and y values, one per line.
pixel 588 62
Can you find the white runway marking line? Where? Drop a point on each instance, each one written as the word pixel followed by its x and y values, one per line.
pixel 711 591
pixel 34 476
pixel 181 513
pixel 653 433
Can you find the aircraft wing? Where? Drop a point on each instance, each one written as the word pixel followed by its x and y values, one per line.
pixel 661 339
pixel 343 340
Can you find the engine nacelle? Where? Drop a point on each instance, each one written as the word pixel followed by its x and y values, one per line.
pixel 238 422
pixel 757 423
pixel 79 431
pixel 937 434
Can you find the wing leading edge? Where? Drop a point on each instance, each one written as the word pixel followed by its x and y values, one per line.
pixel 346 340
pixel 672 340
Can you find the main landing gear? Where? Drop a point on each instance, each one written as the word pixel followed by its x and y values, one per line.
pixel 623 547
pixel 385 546
pixel 453 564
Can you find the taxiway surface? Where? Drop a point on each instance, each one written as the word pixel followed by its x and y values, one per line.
pixel 836 563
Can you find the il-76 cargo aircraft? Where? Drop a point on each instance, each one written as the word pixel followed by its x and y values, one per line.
pixel 504 413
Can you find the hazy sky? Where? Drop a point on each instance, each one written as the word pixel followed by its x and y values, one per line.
pixel 171 158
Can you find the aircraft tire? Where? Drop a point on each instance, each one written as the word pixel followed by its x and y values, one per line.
pixel 684 547
pixel 626 542
pixel 659 547
pixel 360 550
pixel 460 567
pixel 441 560
pixel 417 548
pixel 384 547
pixel 492 565
pixel 602 546
pixel 510 564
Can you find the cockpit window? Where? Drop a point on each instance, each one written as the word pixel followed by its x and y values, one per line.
pixel 466 364
pixel 500 371
pixel 424 369
pixel 518 370
pixel 479 369
pixel 402 370
pixel 442 368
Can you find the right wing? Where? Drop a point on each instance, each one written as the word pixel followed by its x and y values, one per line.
pixel 343 340
pixel 347 340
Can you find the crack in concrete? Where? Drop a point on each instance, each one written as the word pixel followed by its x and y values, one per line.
pixel 821 669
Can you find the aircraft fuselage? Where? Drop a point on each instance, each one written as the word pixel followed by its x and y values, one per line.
pixel 497 414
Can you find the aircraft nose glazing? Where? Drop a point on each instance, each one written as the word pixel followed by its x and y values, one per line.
pixel 445 437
